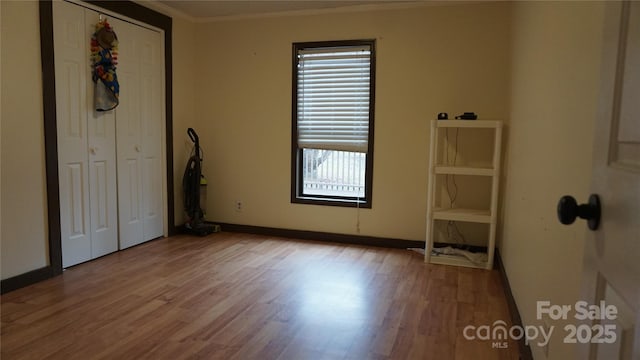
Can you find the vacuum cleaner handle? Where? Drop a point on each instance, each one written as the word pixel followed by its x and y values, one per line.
pixel 192 134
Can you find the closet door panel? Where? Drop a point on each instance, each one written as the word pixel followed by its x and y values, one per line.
pixel 139 134
pixel 102 168
pixel 71 77
pixel 151 135
pixel 128 129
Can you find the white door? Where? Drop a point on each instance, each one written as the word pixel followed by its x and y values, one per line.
pixel 86 144
pixel 612 252
pixel 139 134
pixel 70 42
pixel 102 167
pixel 105 181
pixel 128 133
pixel 151 65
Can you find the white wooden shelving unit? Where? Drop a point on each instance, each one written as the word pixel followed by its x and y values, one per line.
pixel 439 213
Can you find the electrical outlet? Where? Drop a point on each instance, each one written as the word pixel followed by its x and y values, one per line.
pixel 239 205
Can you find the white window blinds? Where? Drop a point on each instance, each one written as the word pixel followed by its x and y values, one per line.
pixel 333 98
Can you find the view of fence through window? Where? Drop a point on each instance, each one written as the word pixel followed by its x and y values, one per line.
pixel 333 173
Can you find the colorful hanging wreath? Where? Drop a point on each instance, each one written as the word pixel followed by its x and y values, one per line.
pixel 104 55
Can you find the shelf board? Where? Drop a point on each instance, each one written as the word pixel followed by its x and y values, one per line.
pixel 456 261
pixel 468 123
pixel 464 170
pixel 458 214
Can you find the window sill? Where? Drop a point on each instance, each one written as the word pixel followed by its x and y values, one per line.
pixel 329 201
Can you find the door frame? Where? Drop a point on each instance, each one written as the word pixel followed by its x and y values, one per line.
pixel 131 10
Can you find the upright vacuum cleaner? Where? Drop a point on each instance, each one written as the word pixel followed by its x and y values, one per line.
pixel 195 223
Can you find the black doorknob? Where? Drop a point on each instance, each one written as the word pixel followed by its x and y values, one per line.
pixel 569 210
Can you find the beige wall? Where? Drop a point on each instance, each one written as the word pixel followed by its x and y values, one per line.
pixel 555 60
pixel 23 224
pixel 184 110
pixel 429 59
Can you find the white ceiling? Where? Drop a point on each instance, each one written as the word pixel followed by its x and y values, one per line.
pixel 211 9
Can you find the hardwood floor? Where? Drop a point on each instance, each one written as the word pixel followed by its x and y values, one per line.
pixel 237 296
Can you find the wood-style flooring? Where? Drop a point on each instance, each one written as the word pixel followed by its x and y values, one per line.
pixel 238 296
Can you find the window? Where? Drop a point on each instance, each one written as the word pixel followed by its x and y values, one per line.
pixel 332 126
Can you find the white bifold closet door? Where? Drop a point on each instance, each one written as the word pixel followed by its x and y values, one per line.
pixel 86 154
pixel 139 129
pixel 109 163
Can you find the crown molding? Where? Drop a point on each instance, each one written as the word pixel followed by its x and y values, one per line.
pixel 310 12
pixel 400 5
pixel 166 10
